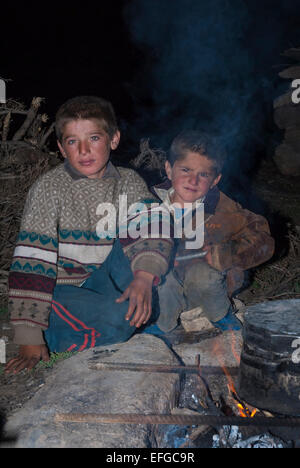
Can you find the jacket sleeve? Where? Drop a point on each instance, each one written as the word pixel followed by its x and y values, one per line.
pixel 148 243
pixel 250 246
pixel 32 275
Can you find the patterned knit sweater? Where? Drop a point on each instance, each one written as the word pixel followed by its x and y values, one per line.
pixel 59 242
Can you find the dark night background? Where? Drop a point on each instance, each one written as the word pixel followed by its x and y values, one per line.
pixel 164 64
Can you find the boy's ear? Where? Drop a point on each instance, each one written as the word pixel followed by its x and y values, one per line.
pixel 115 140
pixel 61 149
pixel 216 181
pixel 168 169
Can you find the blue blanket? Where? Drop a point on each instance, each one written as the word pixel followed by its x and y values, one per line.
pixel 88 316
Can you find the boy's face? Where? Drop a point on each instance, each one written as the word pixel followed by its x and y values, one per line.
pixel 191 177
pixel 87 146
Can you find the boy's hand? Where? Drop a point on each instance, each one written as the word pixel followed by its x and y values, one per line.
pixel 139 293
pixel 208 256
pixel 29 356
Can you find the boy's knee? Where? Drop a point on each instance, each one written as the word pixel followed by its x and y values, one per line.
pixel 203 277
pixel 206 287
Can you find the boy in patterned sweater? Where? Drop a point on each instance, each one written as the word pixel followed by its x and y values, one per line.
pixel 72 286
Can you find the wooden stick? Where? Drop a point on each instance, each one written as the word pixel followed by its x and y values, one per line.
pixel 36 102
pixel 6 126
pixel 46 135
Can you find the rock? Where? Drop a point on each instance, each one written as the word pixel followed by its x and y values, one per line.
pixel 290 73
pixel 73 387
pixel 293 53
pixel 283 100
pixel 292 138
pixel 193 320
pixel 240 309
pixel 224 349
pixel 287 160
pixel 287 116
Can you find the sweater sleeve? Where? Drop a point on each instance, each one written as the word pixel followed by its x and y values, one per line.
pixel 147 239
pixel 249 247
pixel 32 274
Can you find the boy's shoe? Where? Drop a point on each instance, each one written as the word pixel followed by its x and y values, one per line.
pixel 229 322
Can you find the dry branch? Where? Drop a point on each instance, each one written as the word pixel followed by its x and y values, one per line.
pixel 149 158
pixel 281 278
pixel 6 126
pixel 36 102
pixel 23 158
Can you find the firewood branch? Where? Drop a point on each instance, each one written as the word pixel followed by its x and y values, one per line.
pixel 36 102
pixel 46 135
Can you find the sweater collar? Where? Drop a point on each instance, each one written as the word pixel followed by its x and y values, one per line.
pixel 110 171
pixel 211 200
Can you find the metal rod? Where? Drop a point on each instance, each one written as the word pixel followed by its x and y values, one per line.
pixel 206 370
pixel 182 258
pixel 185 420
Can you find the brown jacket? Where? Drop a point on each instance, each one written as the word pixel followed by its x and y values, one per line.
pixel 239 239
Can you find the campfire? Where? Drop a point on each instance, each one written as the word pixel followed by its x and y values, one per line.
pixel 231 419
pixel 243 410
pixel 268 374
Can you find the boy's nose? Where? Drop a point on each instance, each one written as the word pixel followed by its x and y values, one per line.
pixel 83 147
pixel 194 180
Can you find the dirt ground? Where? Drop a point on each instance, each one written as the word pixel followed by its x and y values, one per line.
pixel 280 193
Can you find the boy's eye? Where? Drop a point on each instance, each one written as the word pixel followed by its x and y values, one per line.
pixel 71 142
pixel 95 137
pixel 204 174
pixel 185 169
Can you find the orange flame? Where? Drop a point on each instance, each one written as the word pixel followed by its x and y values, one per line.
pixel 244 411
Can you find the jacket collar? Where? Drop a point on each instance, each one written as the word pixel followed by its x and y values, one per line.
pixel 210 202
pixel 110 171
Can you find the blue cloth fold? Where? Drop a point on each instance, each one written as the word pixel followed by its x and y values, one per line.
pixel 88 316
pixel 229 322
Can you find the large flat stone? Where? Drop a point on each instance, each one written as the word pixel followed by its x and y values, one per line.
pixel 222 350
pixel 73 387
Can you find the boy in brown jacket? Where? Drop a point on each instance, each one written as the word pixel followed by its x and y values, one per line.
pixel 235 239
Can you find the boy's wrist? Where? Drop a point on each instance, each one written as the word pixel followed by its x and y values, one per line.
pixel 142 273
pixel 28 335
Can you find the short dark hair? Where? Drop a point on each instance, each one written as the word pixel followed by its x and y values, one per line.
pixel 86 107
pixel 200 142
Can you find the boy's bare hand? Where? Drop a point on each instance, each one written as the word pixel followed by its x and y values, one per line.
pixel 139 293
pixel 208 256
pixel 29 356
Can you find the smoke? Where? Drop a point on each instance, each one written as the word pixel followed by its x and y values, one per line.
pixel 209 65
